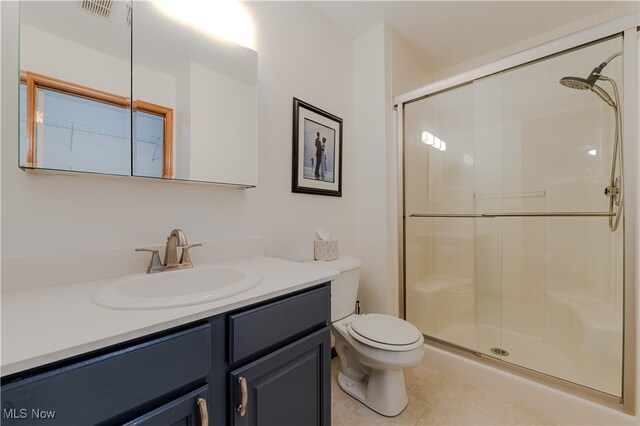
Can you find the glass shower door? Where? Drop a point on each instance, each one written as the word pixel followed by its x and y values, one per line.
pixel 441 261
pixel 562 276
pixel 453 258
pixel 490 266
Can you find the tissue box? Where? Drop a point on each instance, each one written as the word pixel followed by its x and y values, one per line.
pixel 325 250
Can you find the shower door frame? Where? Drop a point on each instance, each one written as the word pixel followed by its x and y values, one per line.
pixel 628 26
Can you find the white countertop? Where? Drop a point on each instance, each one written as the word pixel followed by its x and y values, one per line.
pixel 48 324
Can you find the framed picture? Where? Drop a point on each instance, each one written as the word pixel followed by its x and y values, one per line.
pixel 317 151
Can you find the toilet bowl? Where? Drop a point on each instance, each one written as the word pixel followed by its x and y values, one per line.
pixel 372 371
pixel 374 349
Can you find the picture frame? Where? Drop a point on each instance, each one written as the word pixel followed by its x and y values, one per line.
pixel 317 151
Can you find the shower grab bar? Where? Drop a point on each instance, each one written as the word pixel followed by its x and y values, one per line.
pixel 511 195
pixel 523 214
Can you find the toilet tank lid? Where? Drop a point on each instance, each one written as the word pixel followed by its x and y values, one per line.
pixel 342 263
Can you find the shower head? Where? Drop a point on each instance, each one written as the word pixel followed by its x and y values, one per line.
pixel 586 84
pixel 583 83
pixel 576 83
pixel 589 83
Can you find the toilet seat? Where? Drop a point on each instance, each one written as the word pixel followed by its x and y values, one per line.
pixel 385 332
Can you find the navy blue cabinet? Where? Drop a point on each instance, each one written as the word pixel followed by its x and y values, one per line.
pixel 286 387
pixel 189 376
pixel 280 361
pixel 102 388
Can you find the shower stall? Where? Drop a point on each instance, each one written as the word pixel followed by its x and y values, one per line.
pixel 514 218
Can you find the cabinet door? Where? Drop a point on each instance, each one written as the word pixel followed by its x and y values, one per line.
pixel 104 387
pixel 187 410
pixel 290 386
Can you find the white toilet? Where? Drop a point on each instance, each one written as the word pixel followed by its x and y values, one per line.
pixel 373 348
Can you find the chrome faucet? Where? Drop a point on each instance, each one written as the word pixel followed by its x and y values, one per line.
pixel 175 240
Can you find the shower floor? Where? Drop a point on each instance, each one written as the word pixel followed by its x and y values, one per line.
pixel 535 354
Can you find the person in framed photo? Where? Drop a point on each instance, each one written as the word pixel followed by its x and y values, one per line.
pixel 323 167
pixel 319 155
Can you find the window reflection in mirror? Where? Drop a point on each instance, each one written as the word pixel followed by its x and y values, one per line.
pixel 153 140
pixel 75 86
pixel 68 127
pixel 148 149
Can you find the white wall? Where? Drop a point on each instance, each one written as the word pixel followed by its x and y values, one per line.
pixel 408 68
pixel 302 54
pixel 370 103
pixel 384 64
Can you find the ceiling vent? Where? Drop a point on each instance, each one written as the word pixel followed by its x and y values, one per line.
pixel 100 8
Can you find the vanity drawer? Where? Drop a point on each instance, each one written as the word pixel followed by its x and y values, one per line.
pixel 180 411
pixel 100 388
pixel 256 329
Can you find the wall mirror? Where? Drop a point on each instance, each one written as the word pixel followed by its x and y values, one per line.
pixel 75 88
pixel 123 88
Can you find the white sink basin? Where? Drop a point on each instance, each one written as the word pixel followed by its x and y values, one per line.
pixel 200 284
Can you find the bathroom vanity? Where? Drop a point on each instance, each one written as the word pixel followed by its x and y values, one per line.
pixel 265 362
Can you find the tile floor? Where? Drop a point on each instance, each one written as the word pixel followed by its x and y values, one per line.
pixel 435 399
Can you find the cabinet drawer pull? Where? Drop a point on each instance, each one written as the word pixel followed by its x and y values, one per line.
pixel 204 412
pixel 242 408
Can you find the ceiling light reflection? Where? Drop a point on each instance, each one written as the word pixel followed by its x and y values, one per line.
pixel 226 19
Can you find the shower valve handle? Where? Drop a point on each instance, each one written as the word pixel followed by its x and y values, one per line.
pixel 611 191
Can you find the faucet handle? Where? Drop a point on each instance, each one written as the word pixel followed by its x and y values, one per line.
pixel 185 259
pixel 192 245
pixel 155 265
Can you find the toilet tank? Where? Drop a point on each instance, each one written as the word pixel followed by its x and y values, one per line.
pixel 344 288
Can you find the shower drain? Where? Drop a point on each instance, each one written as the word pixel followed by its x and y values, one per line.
pixel 499 352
